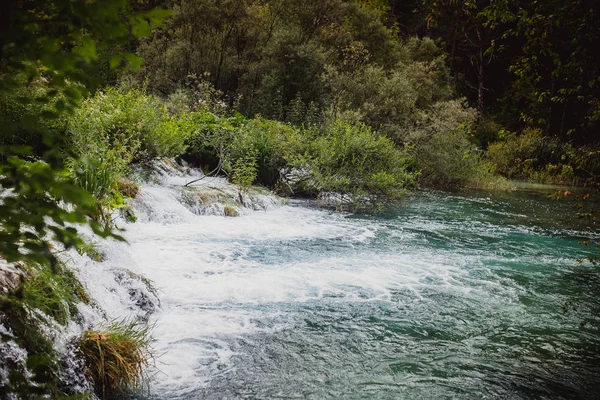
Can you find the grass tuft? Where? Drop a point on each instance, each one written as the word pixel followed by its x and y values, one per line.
pixel 205 198
pixel 90 249
pixel 117 356
pixel 129 188
pixel 230 212
pixel 54 292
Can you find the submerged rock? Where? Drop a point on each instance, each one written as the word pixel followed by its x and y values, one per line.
pixel 141 291
pixel 13 358
pixel 73 377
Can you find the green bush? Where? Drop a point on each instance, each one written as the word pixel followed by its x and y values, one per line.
pixel 533 157
pixel 210 136
pixel 354 161
pixel 258 151
pixel 100 176
pixel 248 151
pixel 443 149
pixel 114 129
pixel 131 119
pixel 347 158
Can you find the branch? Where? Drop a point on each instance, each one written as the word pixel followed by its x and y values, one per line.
pixel 214 171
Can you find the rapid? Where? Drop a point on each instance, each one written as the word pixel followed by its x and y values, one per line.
pixel 454 295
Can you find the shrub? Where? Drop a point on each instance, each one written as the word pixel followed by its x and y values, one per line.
pixel 210 136
pixel 443 149
pixel 100 177
pixel 357 163
pixel 258 151
pixel 533 157
pixel 132 119
pixel 114 129
pixel 513 154
pixel 242 170
pixel 117 357
pixel 348 158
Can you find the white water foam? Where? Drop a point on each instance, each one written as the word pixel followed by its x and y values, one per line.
pixel 219 277
pixel 213 279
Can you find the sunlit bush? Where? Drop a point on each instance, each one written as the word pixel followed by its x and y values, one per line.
pixel 354 161
pixel 132 119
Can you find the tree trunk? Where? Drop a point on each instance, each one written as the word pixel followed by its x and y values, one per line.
pixel 480 87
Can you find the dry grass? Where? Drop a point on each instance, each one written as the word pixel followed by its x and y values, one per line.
pixel 205 198
pixel 230 212
pixel 129 188
pixel 117 357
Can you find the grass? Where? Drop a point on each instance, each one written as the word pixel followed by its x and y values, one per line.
pixel 129 188
pixel 117 356
pixel 230 212
pixel 90 249
pixel 54 292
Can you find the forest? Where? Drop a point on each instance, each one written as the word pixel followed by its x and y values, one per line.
pixel 355 104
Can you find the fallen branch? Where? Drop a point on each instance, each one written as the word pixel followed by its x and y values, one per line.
pixel 214 171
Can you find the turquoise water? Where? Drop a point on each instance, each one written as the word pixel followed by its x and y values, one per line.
pixel 457 295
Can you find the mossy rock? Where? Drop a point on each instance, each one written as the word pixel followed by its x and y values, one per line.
pixel 230 212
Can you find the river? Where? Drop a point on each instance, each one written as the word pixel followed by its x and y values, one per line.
pixel 455 295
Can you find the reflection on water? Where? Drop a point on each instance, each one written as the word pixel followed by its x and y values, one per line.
pixel 456 295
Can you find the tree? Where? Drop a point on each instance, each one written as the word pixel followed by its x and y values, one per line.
pixel 266 57
pixel 542 56
pixel 48 62
pixel 558 70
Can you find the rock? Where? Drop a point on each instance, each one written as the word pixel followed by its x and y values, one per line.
pixel 10 278
pixel 140 290
pixel 72 376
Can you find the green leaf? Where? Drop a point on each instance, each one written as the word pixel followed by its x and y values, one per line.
pixel 134 61
pixel 87 49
